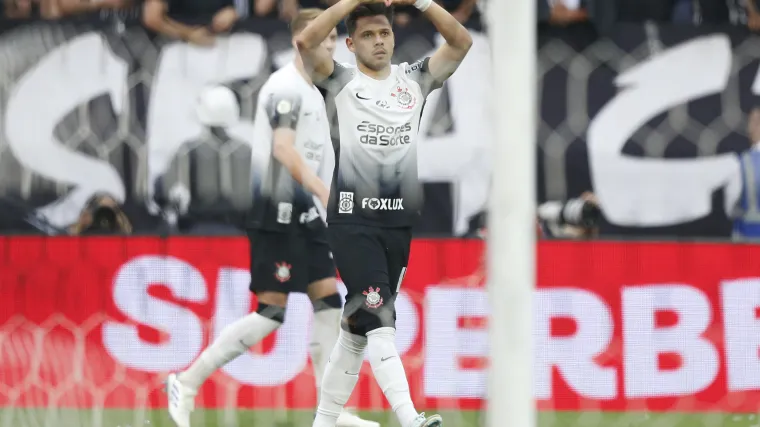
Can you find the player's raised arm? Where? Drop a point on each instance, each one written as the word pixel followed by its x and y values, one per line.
pixel 447 58
pixel 283 110
pixel 319 62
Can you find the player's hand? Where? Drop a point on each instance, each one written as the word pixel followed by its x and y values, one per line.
pixel 402 19
pixel 224 20
pixel 113 4
pixel 288 10
pixel 201 37
pixel 324 199
pixel 753 21
pixel 389 3
pixel 462 15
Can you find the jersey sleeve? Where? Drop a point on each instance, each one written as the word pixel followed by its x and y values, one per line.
pixel 282 108
pixel 341 75
pixel 420 73
pixel 326 170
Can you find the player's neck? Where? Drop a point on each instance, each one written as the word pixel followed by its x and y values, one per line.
pixel 298 62
pixel 375 74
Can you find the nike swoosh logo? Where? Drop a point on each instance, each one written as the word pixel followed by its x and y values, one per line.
pixel 307 114
pixel 361 97
pixel 386 358
pixel 349 373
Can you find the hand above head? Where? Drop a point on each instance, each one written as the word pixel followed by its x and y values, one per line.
pixel 399 2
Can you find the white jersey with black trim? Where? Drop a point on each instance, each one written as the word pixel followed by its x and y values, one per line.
pixel 375 181
pixel 287 100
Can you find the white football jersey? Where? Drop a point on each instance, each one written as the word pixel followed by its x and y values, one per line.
pixel 376 180
pixel 287 100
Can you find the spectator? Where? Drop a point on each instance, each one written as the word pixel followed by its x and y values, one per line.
pixel 746 214
pixel 572 219
pixel 753 15
pixel 704 11
pixel 645 10
pixel 74 7
pixel 712 11
pixel 566 12
pixel 179 19
pixel 462 10
pixel 28 9
pixel 17 9
pixel 283 9
pixel 101 215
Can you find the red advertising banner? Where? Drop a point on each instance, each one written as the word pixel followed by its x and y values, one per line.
pixel 660 326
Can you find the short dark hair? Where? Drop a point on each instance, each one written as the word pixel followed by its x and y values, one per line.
pixel 365 11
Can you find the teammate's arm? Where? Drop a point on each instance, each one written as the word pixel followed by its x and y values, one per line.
pixel 283 116
pixel 318 61
pixel 447 58
pixel 326 170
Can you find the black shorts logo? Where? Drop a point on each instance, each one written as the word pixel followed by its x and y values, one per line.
pixel 374 300
pixel 282 271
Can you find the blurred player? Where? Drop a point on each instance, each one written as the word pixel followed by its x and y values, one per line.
pixel 376 193
pixel 289 250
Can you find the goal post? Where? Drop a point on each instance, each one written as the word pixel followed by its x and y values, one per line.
pixel 511 217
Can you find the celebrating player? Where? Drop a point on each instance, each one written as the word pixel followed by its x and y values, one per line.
pixel 376 194
pixel 289 251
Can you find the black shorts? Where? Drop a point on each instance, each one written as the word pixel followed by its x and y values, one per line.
pixel 288 262
pixel 372 262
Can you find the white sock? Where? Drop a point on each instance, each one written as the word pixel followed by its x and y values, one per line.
pixel 234 340
pixel 324 336
pixel 389 373
pixel 340 378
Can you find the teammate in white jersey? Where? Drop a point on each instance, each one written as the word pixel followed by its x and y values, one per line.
pixel 376 194
pixel 289 250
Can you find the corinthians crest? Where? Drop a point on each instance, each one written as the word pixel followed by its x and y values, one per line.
pixel 374 300
pixel 282 271
pixel 405 99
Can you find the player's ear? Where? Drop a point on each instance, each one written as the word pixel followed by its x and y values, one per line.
pixel 350 44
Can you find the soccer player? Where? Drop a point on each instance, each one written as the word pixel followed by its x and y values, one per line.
pixel 375 194
pixel 289 250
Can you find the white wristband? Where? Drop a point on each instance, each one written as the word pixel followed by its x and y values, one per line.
pixel 423 5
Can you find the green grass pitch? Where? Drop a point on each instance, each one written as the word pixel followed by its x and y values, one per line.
pixel 22 417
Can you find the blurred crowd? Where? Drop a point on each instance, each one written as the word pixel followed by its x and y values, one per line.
pixel 181 18
pixel 221 14
pixel 605 13
pixel 197 21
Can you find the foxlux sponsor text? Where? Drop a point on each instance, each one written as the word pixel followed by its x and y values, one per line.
pixel 377 204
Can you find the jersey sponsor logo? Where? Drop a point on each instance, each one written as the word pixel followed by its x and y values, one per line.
pixel 414 67
pixel 282 271
pixel 313 151
pixel 374 134
pixel 284 212
pixel 378 204
pixel 346 202
pixel 404 98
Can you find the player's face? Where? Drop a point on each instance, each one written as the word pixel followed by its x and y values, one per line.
pixel 331 41
pixel 372 42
